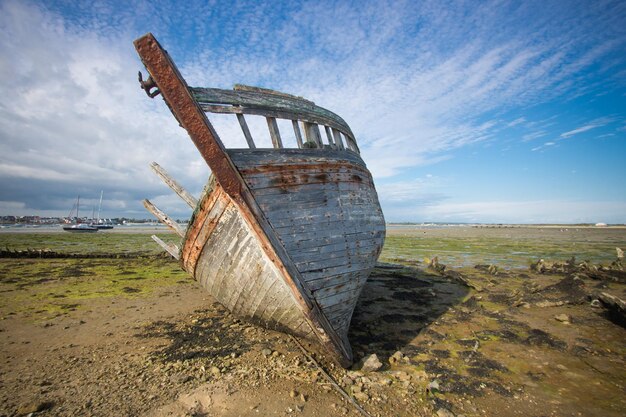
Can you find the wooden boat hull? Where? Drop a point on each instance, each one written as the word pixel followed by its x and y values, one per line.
pixel 324 209
pixel 283 237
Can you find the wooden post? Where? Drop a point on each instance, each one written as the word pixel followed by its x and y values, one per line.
pixel 329 136
pixel 246 130
pixel 178 189
pixel 296 131
pixel 338 140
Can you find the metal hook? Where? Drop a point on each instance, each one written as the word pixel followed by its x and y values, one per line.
pixel 148 85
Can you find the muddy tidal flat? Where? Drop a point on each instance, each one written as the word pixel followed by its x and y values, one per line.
pixel 108 325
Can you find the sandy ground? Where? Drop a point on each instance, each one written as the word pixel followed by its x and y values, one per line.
pixel 500 346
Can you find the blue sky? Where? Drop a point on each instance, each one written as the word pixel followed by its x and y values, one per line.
pixel 464 111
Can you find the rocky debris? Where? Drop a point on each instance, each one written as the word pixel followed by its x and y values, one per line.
pixel 616 307
pixel 266 352
pixel 371 363
pixel 435 265
pixel 396 358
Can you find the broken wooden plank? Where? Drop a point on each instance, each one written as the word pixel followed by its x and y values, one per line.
pixel 246 131
pixel 178 189
pixel 170 248
pixel 163 218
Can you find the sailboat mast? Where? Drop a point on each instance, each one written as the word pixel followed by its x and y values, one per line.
pixel 77 206
pixel 100 205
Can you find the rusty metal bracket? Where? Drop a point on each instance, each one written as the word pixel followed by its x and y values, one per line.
pixel 148 85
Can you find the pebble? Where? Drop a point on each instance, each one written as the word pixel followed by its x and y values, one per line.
pixel 444 412
pixel 293 393
pixel 434 385
pixel 371 363
pixel 266 352
pixel 34 407
pixel 396 358
pixel 563 318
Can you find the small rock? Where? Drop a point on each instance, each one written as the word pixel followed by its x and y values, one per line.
pixel 303 398
pixel 293 393
pixel 34 407
pixel 444 412
pixel 361 396
pixel 563 318
pixel 266 352
pixel 371 363
pixel 215 370
pixel 596 303
pixel 434 385
pixel 396 358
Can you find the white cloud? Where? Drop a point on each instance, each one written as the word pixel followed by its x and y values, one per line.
pixel 541 211
pixel 593 125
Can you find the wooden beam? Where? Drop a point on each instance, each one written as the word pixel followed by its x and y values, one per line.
pixel 163 218
pixel 329 136
pixel 274 132
pixel 178 189
pixel 168 247
pixel 312 133
pixel 296 131
pixel 246 131
pixel 338 140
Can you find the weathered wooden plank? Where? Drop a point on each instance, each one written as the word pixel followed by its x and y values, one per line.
pixel 260 102
pixel 296 131
pixel 163 218
pixel 202 224
pixel 319 273
pixel 246 130
pixel 274 132
pixel 298 181
pixel 330 280
pixel 245 158
pixel 338 287
pixel 170 248
pixel 314 239
pixel 178 189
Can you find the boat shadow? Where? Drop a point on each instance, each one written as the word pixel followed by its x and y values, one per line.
pixel 397 304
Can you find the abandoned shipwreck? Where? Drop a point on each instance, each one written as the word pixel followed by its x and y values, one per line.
pixel 281 237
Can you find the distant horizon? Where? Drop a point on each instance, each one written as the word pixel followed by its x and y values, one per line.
pixel 414 223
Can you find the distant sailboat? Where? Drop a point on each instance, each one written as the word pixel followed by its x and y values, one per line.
pixel 78 227
pixel 104 225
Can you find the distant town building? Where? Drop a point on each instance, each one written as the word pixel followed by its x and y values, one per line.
pixel 600 224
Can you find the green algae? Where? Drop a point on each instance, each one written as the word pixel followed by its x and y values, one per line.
pixel 44 288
